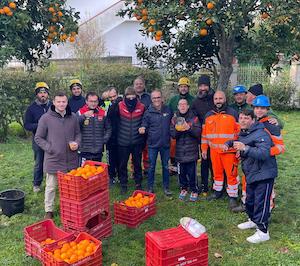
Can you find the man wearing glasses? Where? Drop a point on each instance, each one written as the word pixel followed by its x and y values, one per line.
pixel 95 129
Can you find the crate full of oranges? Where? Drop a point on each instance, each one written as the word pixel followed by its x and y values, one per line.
pixel 78 184
pixel 135 209
pixel 82 250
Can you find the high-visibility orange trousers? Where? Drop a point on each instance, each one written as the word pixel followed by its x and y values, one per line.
pixel 225 162
pixel 244 184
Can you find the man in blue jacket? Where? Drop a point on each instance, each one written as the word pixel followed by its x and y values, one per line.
pixel 33 114
pixel 260 169
pixel 156 123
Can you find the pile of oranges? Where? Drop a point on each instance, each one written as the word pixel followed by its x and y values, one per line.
pixel 8 10
pixel 47 241
pixel 138 201
pixel 87 171
pixel 71 252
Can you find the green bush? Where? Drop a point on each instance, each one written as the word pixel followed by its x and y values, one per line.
pixel 17 88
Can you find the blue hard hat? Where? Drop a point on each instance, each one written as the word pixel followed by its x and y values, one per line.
pixel 261 101
pixel 239 89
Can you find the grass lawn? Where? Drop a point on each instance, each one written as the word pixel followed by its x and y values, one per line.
pixel 126 246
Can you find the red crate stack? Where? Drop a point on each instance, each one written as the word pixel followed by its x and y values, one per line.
pixel 175 247
pixel 131 216
pixel 84 203
pixel 36 233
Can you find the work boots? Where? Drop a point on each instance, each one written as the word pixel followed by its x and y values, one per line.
pixel 216 195
pixel 239 208
pixel 233 203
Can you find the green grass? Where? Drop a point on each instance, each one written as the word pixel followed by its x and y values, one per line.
pixel 126 246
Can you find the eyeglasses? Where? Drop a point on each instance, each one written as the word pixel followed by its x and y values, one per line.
pixel 156 98
pixel 89 101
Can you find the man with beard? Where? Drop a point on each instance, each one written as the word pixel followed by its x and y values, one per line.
pixel 32 117
pixel 240 95
pixel 130 114
pixel 76 101
pixel 112 144
pixel 220 125
pixel 201 105
pixel 183 89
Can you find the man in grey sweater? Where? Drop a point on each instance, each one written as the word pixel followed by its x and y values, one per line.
pixel 58 134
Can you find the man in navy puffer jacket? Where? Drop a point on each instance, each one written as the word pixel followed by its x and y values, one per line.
pixel 260 169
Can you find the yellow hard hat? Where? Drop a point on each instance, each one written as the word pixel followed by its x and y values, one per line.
pixel 75 81
pixel 41 85
pixel 184 81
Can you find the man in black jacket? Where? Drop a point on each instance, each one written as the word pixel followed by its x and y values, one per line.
pixel 203 103
pixel 95 129
pixel 112 144
pixel 156 123
pixel 260 168
pixel 186 129
pixel 32 116
pixel 76 101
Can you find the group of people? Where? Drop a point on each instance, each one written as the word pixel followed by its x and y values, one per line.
pixel 138 126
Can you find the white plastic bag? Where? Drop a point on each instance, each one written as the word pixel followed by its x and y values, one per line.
pixel 192 226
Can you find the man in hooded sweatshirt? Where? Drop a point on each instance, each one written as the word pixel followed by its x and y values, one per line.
pixel 201 105
pixel 76 101
pixel 58 134
pixel 130 114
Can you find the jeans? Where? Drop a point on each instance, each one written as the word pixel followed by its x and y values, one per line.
pixel 84 156
pixel 164 156
pixel 188 176
pixel 124 153
pixel 113 160
pixel 38 164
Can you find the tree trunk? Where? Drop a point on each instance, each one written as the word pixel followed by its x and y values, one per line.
pixel 225 59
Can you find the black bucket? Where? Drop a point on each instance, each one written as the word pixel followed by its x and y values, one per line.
pixel 12 201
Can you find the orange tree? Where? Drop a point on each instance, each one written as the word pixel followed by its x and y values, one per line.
pixel 29 27
pixel 194 34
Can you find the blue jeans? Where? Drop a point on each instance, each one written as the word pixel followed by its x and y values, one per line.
pixel 164 156
pixel 38 154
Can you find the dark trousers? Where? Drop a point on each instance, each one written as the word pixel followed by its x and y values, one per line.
pixel 113 160
pixel 38 154
pixel 86 156
pixel 188 176
pixel 205 167
pixel 124 153
pixel 164 156
pixel 258 202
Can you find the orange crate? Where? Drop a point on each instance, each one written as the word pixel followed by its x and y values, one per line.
pixel 99 227
pixel 132 216
pixel 38 232
pixel 93 260
pixel 77 188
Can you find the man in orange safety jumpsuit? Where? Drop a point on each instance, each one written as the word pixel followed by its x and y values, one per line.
pixel 220 125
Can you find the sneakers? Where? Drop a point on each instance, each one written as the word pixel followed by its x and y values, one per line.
pixel 36 189
pixel 194 197
pixel 182 194
pixel 258 237
pixel 167 192
pixel 151 190
pixel 247 225
pixel 48 215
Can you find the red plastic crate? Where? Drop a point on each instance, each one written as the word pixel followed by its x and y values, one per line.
pixel 78 188
pixel 175 247
pixel 78 213
pixel 38 232
pixel 93 260
pixel 132 216
pixel 99 227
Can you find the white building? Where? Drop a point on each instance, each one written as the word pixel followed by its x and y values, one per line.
pixel 119 34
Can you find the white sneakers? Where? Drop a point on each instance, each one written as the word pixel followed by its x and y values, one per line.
pixel 247 225
pixel 256 238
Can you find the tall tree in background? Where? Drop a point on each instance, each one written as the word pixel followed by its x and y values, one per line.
pixel 191 33
pixel 29 27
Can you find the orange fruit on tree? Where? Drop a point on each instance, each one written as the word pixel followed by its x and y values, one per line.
pixel 49 40
pixel 6 9
pixel 12 5
pixel 150 29
pixel 210 5
pixel 140 2
pixel 152 22
pixel 144 18
pixel 2 11
pixel 265 15
pixel 209 22
pixel 73 33
pixel 9 14
pixel 60 14
pixel 144 12
pixel 51 9
pixel 203 32
pixel 159 33
pixel 54 19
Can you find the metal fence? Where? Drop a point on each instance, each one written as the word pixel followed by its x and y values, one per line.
pixel 251 74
